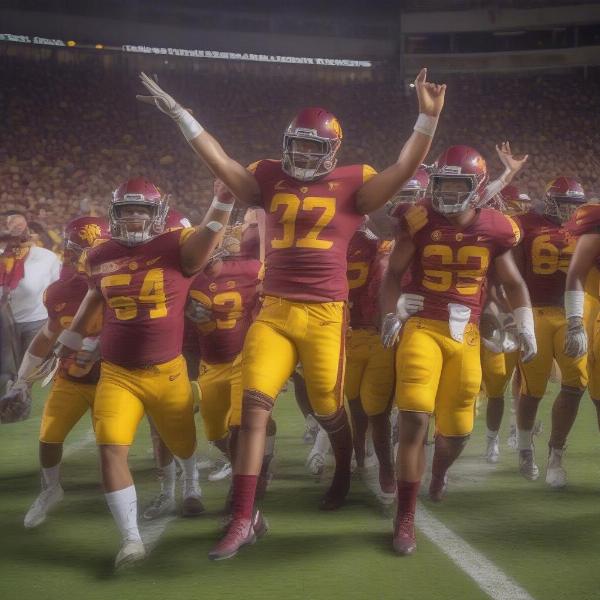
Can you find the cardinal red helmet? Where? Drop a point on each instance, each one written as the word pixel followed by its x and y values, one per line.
pixel 563 196
pixel 136 229
pixel 514 201
pixel 176 220
pixel 81 233
pixel 306 162
pixel 412 191
pixel 458 163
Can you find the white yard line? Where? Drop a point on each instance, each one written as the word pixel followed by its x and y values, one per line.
pixel 492 580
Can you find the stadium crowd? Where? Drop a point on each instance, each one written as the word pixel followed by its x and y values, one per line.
pixel 70 133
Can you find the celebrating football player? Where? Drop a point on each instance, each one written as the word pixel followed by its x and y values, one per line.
pixel 449 246
pixel 546 250
pixel 140 279
pixel 73 389
pixel 312 210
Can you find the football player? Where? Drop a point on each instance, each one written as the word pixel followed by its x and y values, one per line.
pixel 544 257
pixel 449 245
pixel 73 389
pixel 369 381
pixel 140 279
pixel 312 210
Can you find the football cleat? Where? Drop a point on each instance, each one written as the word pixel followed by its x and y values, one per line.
pixel 38 511
pixel 438 487
pixel 527 466
pixel 239 533
pixel 404 535
pixel 335 496
pixel 315 462
pixel 221 472
pixel 163 504
pixel 204 463
pixel 311 428
pixel 556 476
pixel 192 504
pixel 492 453
pixel 130 553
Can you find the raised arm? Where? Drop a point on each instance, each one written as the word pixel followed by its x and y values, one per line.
pixel 512 166
pixel 241 182
pixel 380 188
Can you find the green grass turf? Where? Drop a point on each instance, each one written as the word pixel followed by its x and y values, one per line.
pixel 547 541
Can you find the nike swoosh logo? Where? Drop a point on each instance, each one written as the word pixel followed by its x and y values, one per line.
pixel 174 377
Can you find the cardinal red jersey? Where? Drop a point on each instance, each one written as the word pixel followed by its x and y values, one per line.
pixel 547 248
pixel 62 299
pixel 145 292
pixel 308 228
pixel 586 219
pixel 231 294
pixel 250 245
pixel 450 264
pixel 366 257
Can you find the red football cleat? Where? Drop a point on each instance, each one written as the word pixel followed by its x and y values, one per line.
pixel 239 533
pixel 404 534
pixel 437 488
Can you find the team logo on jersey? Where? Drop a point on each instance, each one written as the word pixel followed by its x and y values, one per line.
pixel 133 266
pixel 333 185
pixel 304 189
pixel 459 237
pixel 280 185
pixel 59 307
pixel 436 235
pixel 108 267
pixel 152 261
pixel 230 284
pixel 212 287
pixel 89 233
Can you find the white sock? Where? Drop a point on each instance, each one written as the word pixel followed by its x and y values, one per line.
pixel 51 476
pixel 492 434
pixel 322 444
pixel 123 506
pixel 169 475
pixel 524 439
pixel 190 475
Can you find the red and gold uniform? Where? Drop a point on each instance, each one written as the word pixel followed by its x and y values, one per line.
pixel 434 371
pixel 586 219
pixel 141 341
pixel 74 386
pixel 303 315
pixel 547 249
pixel 369 366
pixel 231 294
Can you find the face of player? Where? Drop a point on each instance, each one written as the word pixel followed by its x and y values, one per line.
pixel 136 215
pixel 452 192
pixel 307 153
pixel 566 210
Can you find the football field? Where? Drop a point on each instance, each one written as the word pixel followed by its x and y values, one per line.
pixel 495 536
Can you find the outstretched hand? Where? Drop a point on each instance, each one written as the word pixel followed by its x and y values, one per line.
pixel 430 95
pixel 159 98
pixel 511 162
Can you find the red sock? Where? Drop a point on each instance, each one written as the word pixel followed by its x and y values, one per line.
pixel 407 496
pixel 244 489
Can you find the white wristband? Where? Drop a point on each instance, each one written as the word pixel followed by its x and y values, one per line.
pixel 189 126
pixel 29 364
pixel 71 339
pixel 426 124
pixel 223 206
pixel 214 226
pixel 574 304
pixel 524 319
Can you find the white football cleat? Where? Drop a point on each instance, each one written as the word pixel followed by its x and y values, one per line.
pixel 527 466
pixel 221 472
pixel 130 553
pixel 163 504
pixel 203 463
pixel 311 428
pixel 38 511
pixel 315 462
pixel 556 476
pixel 192 499
pixel 492 453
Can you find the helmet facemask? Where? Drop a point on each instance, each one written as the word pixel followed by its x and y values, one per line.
pixel 306 165
pixel 453 202
pixel 561 207
pixel 134 230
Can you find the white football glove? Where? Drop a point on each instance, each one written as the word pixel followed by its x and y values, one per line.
pixel 510 343
pixel 407 305
pixel 575 338
pixel 197 312
pixel 525 325
pixel 528 346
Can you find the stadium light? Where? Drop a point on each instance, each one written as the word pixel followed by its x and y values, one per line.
pixel 71 43
pixel 99 46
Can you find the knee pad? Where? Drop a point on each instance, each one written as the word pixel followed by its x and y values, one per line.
pixel 335 422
